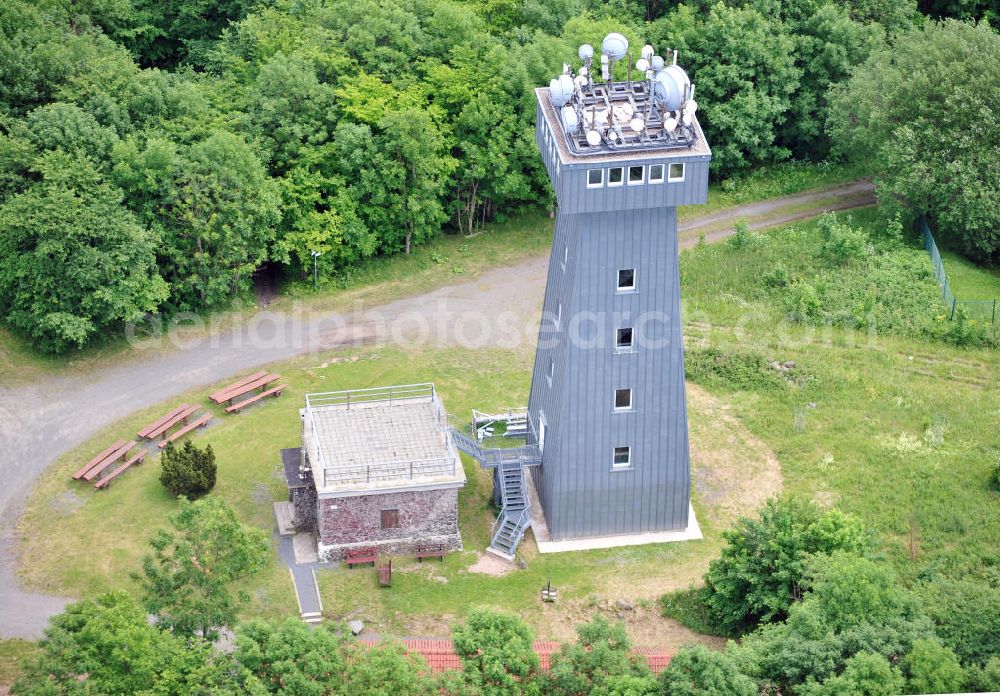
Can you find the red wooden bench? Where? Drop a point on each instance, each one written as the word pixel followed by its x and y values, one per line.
pixel 119 453
pixel 179 417
pixel 430 551
pixel 236 385
pixel 228 396
pixel 160 421
pixel 273 391
pixel 184 431
pixel 97 460
pixel 361 556
pixel 385 574
pixel 108 478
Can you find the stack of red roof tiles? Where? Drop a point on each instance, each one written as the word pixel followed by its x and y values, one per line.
pixel 440 656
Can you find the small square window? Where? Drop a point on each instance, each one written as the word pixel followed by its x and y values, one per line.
pixel 635 175
pixel 626 279
pixel 623 399
pixel 623 339
pixel 676 172
pixel 390 519
pixel 622 457
pixel 616 176
pixel 656 173
pixel 595 178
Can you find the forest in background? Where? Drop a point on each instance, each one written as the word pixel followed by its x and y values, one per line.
pixel 154 155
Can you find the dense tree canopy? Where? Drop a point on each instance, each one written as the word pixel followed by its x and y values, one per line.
pixel 223 135
pixel 925 115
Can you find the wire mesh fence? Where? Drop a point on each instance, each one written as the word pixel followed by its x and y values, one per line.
pixel 980 310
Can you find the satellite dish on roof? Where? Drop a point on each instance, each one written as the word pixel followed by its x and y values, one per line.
pixel 593 138
pixel 692 106
pixel 669 87
pixel 569 119
pixel 615 45
pixel 642 65
pixel 561 90
pixel 637 124
pixel 586 52
pixel 670 124
pixel 647 52
pixel 656 63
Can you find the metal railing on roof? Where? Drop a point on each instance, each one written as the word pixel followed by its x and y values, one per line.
pixel 402 470
pixel 349 397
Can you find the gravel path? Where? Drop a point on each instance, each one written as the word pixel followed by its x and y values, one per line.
pixel 42 420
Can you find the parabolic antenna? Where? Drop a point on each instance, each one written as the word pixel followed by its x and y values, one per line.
pixel 615 45
pixel 560 90
pixel 670 124
pixel 647 52
pixel 586 52
pixel 692 106
pixel 669 87
pixel 593 138
pixel 656 63
pixel 642 65
pixel 569 119
pixel 636 124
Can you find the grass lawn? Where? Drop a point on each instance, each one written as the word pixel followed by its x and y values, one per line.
pixel 12 652
pixel 443 260
pixel 970 281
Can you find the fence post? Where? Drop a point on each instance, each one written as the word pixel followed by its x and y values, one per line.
pixel 954 301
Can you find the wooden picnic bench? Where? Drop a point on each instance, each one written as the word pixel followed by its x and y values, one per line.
pixel 361 556
pixel 160 421
pixel 101 461
pixel 236 385
pixel 385 574
pixel 430 551
pixel 202 420
pixel 227 395
pixel 108 478
pixel 163 425
pixel 273 391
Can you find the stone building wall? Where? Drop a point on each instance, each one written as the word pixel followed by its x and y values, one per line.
pixel 425 517
pixel 304 499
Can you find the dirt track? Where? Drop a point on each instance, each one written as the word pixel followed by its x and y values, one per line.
pixel 42 420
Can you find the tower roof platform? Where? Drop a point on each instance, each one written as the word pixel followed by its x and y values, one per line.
pixel 379 440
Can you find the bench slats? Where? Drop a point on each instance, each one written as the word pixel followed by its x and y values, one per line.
pixel 222 397
pixel 359 556
pixel 106 481
pixel 114 456
pixel 185 430
pixel 161 420
pixel 236 385
pixel 276 391
pixel 167 425
pixel 98 459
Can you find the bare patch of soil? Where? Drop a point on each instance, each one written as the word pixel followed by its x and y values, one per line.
pixel 488 564
pixel 733 471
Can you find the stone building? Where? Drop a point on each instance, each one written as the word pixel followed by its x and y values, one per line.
pixel 377 468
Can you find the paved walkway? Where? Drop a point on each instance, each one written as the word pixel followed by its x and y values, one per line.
pixel 42 420
pixel 304 579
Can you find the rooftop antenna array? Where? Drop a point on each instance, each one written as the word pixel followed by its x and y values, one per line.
pixel 654 111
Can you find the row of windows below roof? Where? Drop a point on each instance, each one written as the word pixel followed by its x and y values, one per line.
pixel 635 175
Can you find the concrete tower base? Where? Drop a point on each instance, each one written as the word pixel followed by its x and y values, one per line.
pixel 546 545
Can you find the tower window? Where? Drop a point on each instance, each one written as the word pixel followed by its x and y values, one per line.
pixel 622 458
pixel 616 176
pixel 623 339
pixel 676 172
pixel 623 399
pixel 390 519
pixel 656 173
pixel 635 175
pixel 595 178
pixel 626 279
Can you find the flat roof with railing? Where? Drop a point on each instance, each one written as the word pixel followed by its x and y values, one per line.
pixel 381 438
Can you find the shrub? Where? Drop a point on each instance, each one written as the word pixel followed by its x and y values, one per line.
pixel 743 238
pixel 932 668
pixel 865 674
pixel 984 679
pixel 777 277
pixel 731 370
pixel 994 480
pixel 803 302
pixel 188 471
pixel 966 611
pixel 761 569
pixel 699 671
pixel 841 242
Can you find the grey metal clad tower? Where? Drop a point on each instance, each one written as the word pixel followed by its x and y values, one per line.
pixel 607 405
pixel 606 425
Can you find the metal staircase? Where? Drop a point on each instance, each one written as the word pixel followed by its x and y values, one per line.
pixel 508 476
